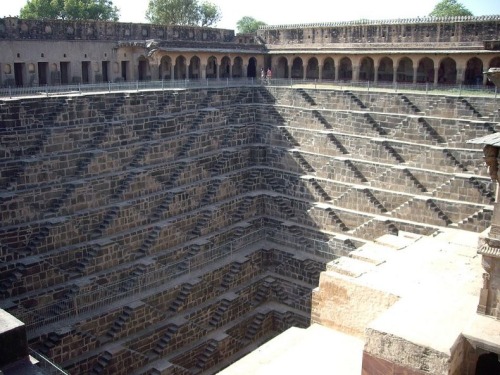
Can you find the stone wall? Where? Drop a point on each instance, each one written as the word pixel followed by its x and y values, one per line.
pixel 16 28
pixel 427 33
pixel 175 224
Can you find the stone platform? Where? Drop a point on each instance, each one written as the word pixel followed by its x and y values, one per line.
pixel 315 350
pixel 418 307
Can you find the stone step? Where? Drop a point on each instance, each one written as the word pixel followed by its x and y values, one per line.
pixel 372 253
pixel 350 266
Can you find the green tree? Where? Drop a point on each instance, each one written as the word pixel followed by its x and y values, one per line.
pixel 70 10
pixel 210 14
pixel 449 8
pixel 248 25
pixel 182 12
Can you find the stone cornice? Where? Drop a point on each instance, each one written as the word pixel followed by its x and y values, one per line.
pixel 404 21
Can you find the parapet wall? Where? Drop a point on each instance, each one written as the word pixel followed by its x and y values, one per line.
pixel 426 33
pixel 16 28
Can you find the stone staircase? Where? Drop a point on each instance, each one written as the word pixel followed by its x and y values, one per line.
pixel 337 220
pixel 302 162
pixel 102 362
pixel 374 124
pixel 354 99
pixel 289 137
pixel 357 173
pixel 449 155
pixel 306 96
pixel 392 152
pixel 204 358
pixel 217 315
pixel 409 103
pixel 181 298
pixel 430 130
pixel 164 341
pixel 414 180
pixel 149 241
pixel 367 257
pixel 254 327
pixel 57 203
pixel 337 143
pixel 110 216
pixel 321 119
pixel 229 277
pixel 120 322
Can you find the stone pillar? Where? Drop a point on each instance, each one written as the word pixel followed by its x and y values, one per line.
pixel 489 249
pixel 355 73
pixel 489 246
pixel 230 70
pixel 320 72
pixel 394 73
pixel 375 72
pixel 460 76
pixel 203 72
pixel 217 71
pixel 172 71
pixel 436 75
pixel 337 67
pixel 187 71
pixel 415 71
pixel 155 71
pixel 245 70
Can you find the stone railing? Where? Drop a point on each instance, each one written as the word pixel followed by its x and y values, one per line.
pixel 399 21
pixel 40 91
pixel 82 303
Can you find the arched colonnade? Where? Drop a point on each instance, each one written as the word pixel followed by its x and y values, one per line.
pixel 169 66
pixel 434 69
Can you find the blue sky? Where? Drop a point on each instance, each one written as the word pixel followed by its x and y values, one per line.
pixel 289 12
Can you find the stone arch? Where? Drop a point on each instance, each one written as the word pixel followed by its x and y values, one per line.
pixel 473 72
pixel 425 70
pixel 165 68
pixel 297 68
pixel 144 73
pixel 194 68
pixel 494 63
pixel 367 69
pixel 447 72
pixel 281 68
pixel 252 67
pixel 237 67
pixel 345 69
pixel 405 70
pixel 225 68
pixel 312 69
pixel 385 72
pixel 211 70
pixel 180 68
pixel 328 71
